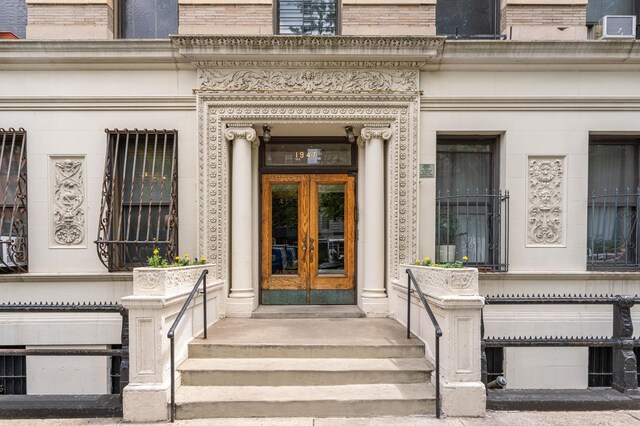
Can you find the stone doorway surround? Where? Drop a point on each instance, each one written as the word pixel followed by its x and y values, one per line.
pixel 365 82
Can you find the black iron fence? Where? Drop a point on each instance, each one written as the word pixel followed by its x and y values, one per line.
pixel 475 225
pixel 613 234
pixel 622 342
pixel 121 353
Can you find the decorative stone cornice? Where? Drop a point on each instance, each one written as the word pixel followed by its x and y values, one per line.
pixel 235 132
pixel 308 81
pixel 406 50
pixel 374 131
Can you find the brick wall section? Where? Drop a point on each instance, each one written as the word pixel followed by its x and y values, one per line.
pixel 569 16
pixel 223 18
pixel 388 19
pixel 71 14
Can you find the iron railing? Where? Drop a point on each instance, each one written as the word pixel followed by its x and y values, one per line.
pixel 624 360
pixel 474 224
pixel 139 211
pixel 171 334
pixel 123 352
pixel 13 201
pixel 613 232
pixel 436 326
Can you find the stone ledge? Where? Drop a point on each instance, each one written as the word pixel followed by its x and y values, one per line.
pixel 68 277
pixel 559 276
pixel 560 400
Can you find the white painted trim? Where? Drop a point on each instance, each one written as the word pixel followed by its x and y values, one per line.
pixel 559 276
pixel 100 103
pixel 440 104
pixel 67 277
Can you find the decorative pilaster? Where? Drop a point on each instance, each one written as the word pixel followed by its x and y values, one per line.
pixel 625 370
pixel 241 296
pixel 374 296
pixel 68 202
pixel 546 202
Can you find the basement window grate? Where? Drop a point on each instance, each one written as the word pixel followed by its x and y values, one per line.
pixel 13 373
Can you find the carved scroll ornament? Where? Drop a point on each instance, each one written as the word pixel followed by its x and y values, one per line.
pixel 545 201
pixel 68 215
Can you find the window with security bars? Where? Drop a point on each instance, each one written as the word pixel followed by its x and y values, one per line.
pixel 307 17
pixel 601 366
pixel 613 234
pixel 495 363
pixel 139 211
pixel 13 373
pixel 13 201
pixel 146 18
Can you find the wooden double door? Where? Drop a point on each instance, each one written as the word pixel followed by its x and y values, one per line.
pixel 308 239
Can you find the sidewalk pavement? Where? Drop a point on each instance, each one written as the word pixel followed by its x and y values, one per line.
pixel 500 418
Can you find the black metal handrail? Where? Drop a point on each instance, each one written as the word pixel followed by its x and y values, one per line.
pixel 622 341
pixel 171 334
pixel 123 352
pixel 434 321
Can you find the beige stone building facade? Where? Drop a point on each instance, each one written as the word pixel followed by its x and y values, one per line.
pixel 494 130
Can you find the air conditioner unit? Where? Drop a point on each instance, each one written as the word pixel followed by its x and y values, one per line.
pixel 5 248
pixel 615 27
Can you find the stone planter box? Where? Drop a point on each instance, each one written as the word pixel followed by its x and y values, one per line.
pixel 166 281
pixel 444 281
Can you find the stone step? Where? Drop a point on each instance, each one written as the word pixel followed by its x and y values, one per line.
pixel 302 371
pixel 307 338
pixel 307 311
pixel 195 402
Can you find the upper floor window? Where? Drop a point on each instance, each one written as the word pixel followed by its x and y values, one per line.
pixel 13 201
pixel 596 9
pixel 468 18
pixel 307 17
pixel 614 181
pixel 471 212
pixel 148 18
pixel 13 17
pixel 139 210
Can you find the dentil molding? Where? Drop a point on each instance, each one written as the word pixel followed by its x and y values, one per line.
pixel 545 209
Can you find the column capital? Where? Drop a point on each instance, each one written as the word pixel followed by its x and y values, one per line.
pixel 235 132
pixel 374 131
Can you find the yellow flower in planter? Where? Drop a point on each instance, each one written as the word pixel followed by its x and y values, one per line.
pixel 465 258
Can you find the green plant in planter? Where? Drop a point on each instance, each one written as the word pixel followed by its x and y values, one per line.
pixel 448 230
pixel 447 265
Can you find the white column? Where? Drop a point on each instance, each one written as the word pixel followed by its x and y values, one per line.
pixel 374 296
pixel 241 297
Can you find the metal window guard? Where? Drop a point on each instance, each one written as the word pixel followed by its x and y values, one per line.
pixel 625 374
pixel 476 223
pixel 613 232
pixel 120 243
pixel 434 321
pixel 13 227
pixel 123 353
pixel 171 334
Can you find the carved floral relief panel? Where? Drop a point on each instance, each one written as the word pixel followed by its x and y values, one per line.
pixel 546 211
pixel 67 202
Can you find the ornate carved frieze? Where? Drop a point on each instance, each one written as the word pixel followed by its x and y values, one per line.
pixel 68 200
pixel 307 81
pixel 398 110
pixel 545 209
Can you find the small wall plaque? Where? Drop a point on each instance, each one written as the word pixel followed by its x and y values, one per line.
pixel 427 171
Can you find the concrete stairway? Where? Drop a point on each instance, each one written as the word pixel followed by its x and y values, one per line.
pixel 321 367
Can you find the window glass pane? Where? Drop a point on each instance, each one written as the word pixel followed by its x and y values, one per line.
pixel 313 17
pixel 463 167
pixel 467 17
pixel 13 17
pixel 612 167
pixel 149 18
pixel 313 155
pixel 284 229
pixel 596 9
pixel 331 201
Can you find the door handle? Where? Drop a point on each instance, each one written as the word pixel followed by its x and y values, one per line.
pixel 304 247
pixel 311 250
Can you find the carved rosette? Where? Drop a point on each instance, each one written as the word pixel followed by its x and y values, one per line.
pixel 68 201
pixel 401 111
pixel 545 209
